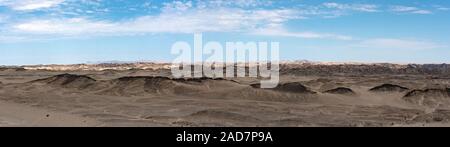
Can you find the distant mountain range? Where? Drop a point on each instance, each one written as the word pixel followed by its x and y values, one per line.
pixel 301 67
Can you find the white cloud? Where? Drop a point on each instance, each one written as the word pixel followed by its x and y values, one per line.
pixel 354 7
pixel 389 43
pixel 238 3
pixel 403 9
pixel 175 17
pixel 407 9
pixel 279 31
pixel 421 12
pixel 256 22
pixel 200 16
pixel 441 8
pixel 187 21
pixel 177 6
pixel 24 5
pixel 72 26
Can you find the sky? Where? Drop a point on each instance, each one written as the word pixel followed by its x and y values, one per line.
pixel 90 31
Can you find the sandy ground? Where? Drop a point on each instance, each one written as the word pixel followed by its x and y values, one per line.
pixel 125 98
pixel 13 115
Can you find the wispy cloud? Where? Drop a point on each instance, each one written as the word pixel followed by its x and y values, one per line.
pixel 441 8
pixel 257 17
pixel 199 16
pixel 408 9
pixel 177 6
pixel 238 3
pixel 355 7
pixel 24 5
pixel 177 18
pixel 281 32
pixel 174 17
pixel 73 26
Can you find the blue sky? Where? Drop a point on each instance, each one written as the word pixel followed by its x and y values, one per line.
pixel 81 31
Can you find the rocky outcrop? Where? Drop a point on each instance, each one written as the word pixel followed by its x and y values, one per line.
pixel 364 69
pixel 293 87
pixel 389 88
pixel 429 97
pixel 341 90
pixel 429 93
pixel 68 81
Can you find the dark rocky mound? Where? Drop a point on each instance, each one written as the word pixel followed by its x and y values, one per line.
pixel 20 69
pixel 142 85
pixel 158 79
pixel 365 69
pixel 429 93
pixel 429 97
pixel 148 84
pixel 389 88
pixel 135 86
pixel 257 85
pixel 68 81
pixel 294 87
pixel 341 90
pixel 12 69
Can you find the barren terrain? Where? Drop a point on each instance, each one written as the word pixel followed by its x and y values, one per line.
pixel 146 94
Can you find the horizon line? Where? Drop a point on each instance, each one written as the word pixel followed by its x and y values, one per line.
pixel 281 62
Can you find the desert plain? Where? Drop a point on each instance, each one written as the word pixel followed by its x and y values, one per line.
pixel 146 95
